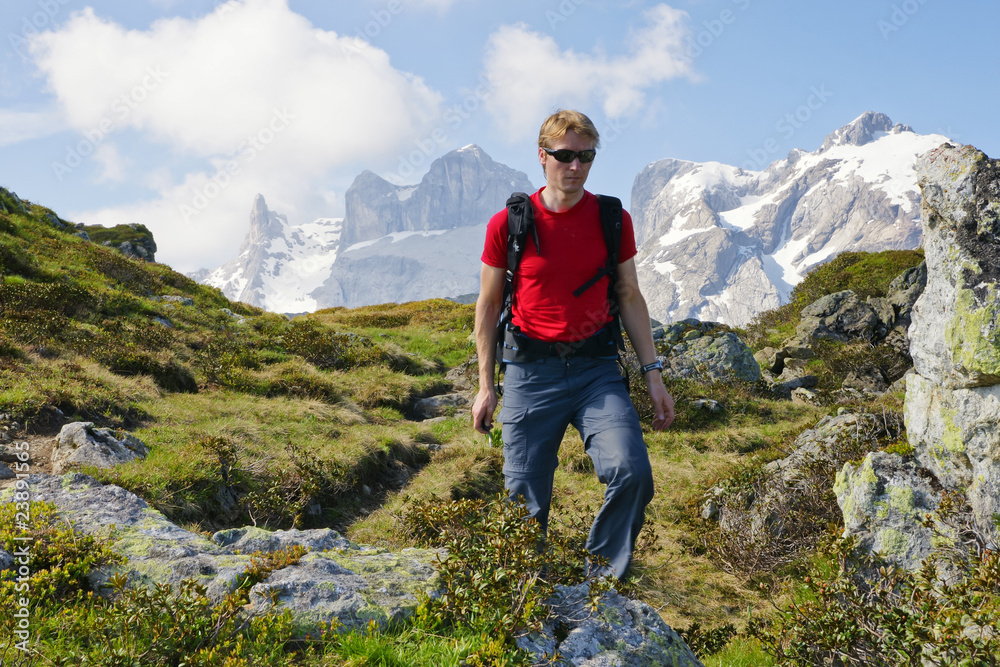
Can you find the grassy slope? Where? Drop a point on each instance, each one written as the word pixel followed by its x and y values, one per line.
pixel 306 422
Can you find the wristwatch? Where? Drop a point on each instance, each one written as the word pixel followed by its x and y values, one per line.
pixel 655 366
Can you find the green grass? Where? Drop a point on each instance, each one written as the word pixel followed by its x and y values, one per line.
pixel 268 420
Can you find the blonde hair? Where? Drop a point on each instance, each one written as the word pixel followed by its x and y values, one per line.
pixel 562 121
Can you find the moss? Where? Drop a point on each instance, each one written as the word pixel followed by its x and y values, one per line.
pixel 901 499
pixel 973 334
pixel 892 542
pixel 952 437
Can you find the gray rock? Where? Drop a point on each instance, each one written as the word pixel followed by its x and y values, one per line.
pixel 80 444
pixel 885 501
pixel 250 539
pixel 239 318
pixel 6 472
pixel 954 434
pixel 952 405
pixel 866 380
pixel 840 316
pixel 707 404
pixel 174 298
pixel 6 560
pixel 803 395
pixel 440 405
pixel 906 288
pixel 956 321
pixel 621 632
pixel 157 550
pixel 822 447
pixel 349 583
pixel 707 352
pixel 354 588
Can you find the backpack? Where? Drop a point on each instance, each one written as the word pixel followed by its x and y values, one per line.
pixel 520 223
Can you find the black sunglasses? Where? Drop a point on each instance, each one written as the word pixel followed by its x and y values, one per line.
pixel 567 156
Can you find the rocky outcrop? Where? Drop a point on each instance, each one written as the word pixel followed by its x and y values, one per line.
pixel 890 489
pixel 336 581
pixel 80 444
pixel 722 242
pixel 840 316
pixel 620 631
pixel 953 398
pixel 705 351
pixel 786 487
pixel 133 240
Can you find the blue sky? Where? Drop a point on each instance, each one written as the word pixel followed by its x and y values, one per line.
pixel 176 113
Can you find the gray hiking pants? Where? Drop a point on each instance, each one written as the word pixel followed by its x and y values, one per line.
pixel 541 398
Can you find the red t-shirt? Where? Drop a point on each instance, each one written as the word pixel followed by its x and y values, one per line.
pixel 573 251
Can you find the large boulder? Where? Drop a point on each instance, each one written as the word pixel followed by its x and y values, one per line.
pixel 953 398
pixel 620 631
pixel 80 444
pixel 891 490
pixel 706 351
pixel 956 322
pixel 840 316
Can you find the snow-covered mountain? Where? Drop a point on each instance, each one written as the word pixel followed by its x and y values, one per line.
pixel 279 265
pixel 395 243
pixel 721 243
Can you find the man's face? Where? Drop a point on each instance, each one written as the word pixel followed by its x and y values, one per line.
pixel 567 177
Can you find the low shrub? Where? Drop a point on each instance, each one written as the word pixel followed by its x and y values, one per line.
pixel 857 610
pixel 496 577
pixel 769 519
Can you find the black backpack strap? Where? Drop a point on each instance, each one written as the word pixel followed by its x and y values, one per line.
pixel 611 226
pixel 520 222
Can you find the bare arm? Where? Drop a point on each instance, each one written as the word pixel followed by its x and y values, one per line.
pixel 491 280
pixel 635 319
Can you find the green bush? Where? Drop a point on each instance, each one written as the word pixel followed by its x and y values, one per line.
pixel 327 349
pixel 59 557
pixel 854 609
pixel 499 570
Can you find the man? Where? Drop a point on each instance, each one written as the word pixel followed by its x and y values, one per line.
pixel 542 396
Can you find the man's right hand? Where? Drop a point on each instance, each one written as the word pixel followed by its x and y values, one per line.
pixel 483 409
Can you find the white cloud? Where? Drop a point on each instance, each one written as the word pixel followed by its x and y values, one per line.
pixel 532 75
pixel 18 126
pixel 252 83
pixel 113 165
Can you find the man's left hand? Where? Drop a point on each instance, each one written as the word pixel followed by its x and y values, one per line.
pixel 663 403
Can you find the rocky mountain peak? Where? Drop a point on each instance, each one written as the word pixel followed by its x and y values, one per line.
pixel 862 130
pixel 264 224
pixel 463 187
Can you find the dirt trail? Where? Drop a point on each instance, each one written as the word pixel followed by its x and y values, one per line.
pixel 39 455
